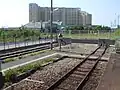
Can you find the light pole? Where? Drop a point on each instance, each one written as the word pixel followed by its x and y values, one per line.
pixel 115 23
pixel 15 39
pixel 111 24
pixel 4 37
pixel 1 74
pixel 51 23
pixel 118 20
pixel 57 21
pixel 2 79
pixel 40 31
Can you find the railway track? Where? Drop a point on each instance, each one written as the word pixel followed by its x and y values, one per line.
pixel 76 78
pixel 23 47
pixel 25 51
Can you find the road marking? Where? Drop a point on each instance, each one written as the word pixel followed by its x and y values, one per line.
pixel 29 62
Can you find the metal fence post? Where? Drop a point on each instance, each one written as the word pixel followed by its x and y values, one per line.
pixel 109 34
pixel 98 34
pixel 15 40
pixel 79 34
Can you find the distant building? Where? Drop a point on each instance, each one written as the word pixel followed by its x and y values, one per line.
pixel 87 18
pixel 33 12
pixel 69 16
pixel 39 25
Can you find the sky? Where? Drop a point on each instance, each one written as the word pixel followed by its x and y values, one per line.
pixel 14 13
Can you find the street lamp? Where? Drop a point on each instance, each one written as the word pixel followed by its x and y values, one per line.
pixel 118 20
pixel 15 39
pixel 115 23
pixel 3 30
pixel 51 23
pixel 1 74
pixel 40 31
pixel 2 79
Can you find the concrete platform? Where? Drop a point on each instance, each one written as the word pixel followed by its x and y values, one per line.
pixel 111 77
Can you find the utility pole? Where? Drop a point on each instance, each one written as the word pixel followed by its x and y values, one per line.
pixel 2 79
pixel 115 23
pixel 118 20
pixel 4 37
pixel 51 23
pixel 15 39
pixel 40 31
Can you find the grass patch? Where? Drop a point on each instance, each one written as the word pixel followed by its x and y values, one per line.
pixel 88 36
pixel 39 52
pixel 22 69
pixel 24 56
pixel 58 56
pixel 20 57
pixel 35 53
pixel 9 60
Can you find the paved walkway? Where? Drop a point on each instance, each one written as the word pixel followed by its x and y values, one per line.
pixel 111 78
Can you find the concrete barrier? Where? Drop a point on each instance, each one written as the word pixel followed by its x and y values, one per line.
pixel 88 41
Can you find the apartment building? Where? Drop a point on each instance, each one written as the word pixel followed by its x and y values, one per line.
pixel 33 12
pixel 68 16
pixel 86 17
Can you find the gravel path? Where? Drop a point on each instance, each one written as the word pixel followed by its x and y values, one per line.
pixel 78 48
pixel 47 76
pixel 94 80
pixel 76 77
pixel 85 49
pixel 107 53
pixel 42 79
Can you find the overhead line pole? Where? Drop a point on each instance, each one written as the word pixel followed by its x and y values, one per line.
pixel 51 24
pixel 118 20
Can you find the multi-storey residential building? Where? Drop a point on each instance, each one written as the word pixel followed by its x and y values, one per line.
pixel 33 12
pixel 68 16
pixel 86 17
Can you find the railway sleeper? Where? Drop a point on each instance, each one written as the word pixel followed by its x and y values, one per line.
pixel 60 88
pixel 81 70
pixel 68 84
pixel 76 76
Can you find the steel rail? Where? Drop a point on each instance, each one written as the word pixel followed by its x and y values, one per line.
pixel 23 52
pixel 2 52
pixel 58 82
pixel 82 83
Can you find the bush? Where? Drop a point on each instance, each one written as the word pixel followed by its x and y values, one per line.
pixel 9 73
pixel 9 60
pixel 117 33
pixel 58 56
